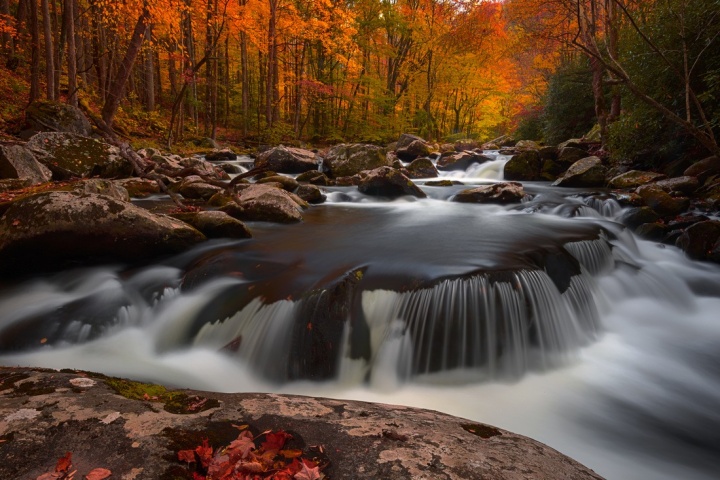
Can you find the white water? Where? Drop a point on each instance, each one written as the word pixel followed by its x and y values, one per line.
pixel 638 403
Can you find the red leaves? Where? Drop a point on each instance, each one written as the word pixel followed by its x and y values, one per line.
pixel 244 460
pixel 62 471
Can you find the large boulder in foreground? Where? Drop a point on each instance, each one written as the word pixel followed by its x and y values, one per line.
pixel 346 160
pixel 106 423
pixel 265 203
pixel 56 228
pixel 50 116
pixel 388 182
pixel 506 192
pixel 586 172
pixel 16 161
pixel 70 155
pixel 284 159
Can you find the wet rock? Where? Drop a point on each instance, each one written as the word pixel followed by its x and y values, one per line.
pixel 50 116
pixel 524 166
pixel 55 228
pixel 264 203
pixel 527 145
pixel 288 183
pixel 205 168
pixel 636 216
pixel 215 224
pixel 310 193
pixel 139 187
pixel 359 440
pixel 711 195
pixel 443 183
pixel 284 159
pixel 416 149
pixel 406 139
pixel 586 172
pixel 314 177
pixel 686 185
pixel 70 155
pixel 388 182
pixel 229 168
pixel 661 202
pixel 507 192
pixel 652 231
pixel 682 222
pixel 195 187
pixel 702 169
pixel 634 178
pixel 102 187
pixel 16 161
pixel 220 199
pixel 460 161
pixel 220 155
pixel 346 160
pixel 701 241
pixel 353 181
pixel 422 168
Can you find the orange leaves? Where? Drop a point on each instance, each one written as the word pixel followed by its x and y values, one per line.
pixel 243 459
pixel 63 471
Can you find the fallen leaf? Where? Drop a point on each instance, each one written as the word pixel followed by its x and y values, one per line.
pixel 110 418
pixel 275 440
pixel 98 474
pixel 49 476
pixel 205 452
pixel 186 456
pixel 16 223
pixel 63 464
pixel 306 472
pixel 291 453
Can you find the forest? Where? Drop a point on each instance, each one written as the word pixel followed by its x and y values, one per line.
pixel 327 71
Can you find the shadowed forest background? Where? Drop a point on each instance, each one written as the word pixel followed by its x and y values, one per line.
pixel 326 71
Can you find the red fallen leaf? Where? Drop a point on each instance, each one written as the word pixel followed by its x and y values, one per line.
pixel 50 476
pixel 197 476
pixel 205 452
pixel 186 456
pixel 241 447
pixel 308 471
pixel 16 223
pixel 275 441
pixel 291 453
pixel 197 404
pixel 98 474
pixel 251 467
pixel 63 464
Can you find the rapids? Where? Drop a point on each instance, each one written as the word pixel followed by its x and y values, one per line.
pixel 547 318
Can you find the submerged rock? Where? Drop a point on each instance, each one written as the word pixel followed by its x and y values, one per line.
pixel 507 192
pixel 388 182
pixel 16 161
pixel 56 228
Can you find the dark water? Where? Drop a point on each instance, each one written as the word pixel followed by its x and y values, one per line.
pixel 547 318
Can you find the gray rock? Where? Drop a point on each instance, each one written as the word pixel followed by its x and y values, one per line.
pixel 102 187
pixel 406 139
pixel 662 202
pixel 346 160
pixel 288 183
pixel 506 192
pixel 422 168
pixel 310 193
pixel 524 166
pixel 527 145
pixel 50 116
pixel 388 182
pixel 287 160
pixel 460 160
pixel 586 172
pixel 703 169
pixel 139 187
pixel 54 228
pixel 17 161
pixel 683 184
pixel 71 155
pixel 220 156
pixel 701 240
pixel 416 149
pixel 264 203
pixel 636 216
pixel 634 178
pixel 466 144
pixel 569 155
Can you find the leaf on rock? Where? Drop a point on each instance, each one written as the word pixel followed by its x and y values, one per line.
pixel 291 453
pixel 186 456
pixel 308 471
pixel 205 452
pixel 98 474
pixel 275 440
pixel 64 462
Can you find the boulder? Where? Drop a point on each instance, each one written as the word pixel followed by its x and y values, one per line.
pixel 573 142
pixel 636 216
pixel 702 169
pixel 527 145
pixel 634 178
pixel 388 182
pixel 194 187
pixel 56 228
pixel 652 231
pixel 346 160
pixel 684 184
pixel 264 203
pixel 202 167
pixel 548 153
pixel 586 172
pixel 406 139
pixel 460 160
pixel 569 155
pixel 442 183
pixel 220 156
pixel 287 160
pixel 71 155
pixel 50 116
pixel 711 195
pixel 102 187
pixel 523 167
pixel 288 183
pixel 16 161
pixel 310 193
pixel 701 241
pixel 416 149
pixel 662 202
pixel 214 224
pixel 315 177
pixel 422 168
pixel 139 187
pixel 506 192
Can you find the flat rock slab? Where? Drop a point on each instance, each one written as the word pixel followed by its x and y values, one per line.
pixel 136 435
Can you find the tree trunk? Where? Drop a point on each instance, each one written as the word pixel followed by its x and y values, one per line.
pixel 117 88
pixel 245 83
pixel 270 73
pixel 149 75
pixel 49 53
pixel 71 52
pixel 34 52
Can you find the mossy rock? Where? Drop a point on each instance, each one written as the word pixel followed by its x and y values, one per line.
pixel 173 401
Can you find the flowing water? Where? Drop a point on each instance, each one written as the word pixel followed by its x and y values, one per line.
pixel 546 318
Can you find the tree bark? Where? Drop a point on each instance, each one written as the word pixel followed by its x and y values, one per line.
pixel 149 75
pixel 49 53
pixel 117 88
pixel 34 52
pixel 71 52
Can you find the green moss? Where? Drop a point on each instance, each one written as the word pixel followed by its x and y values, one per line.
pixel 173 401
